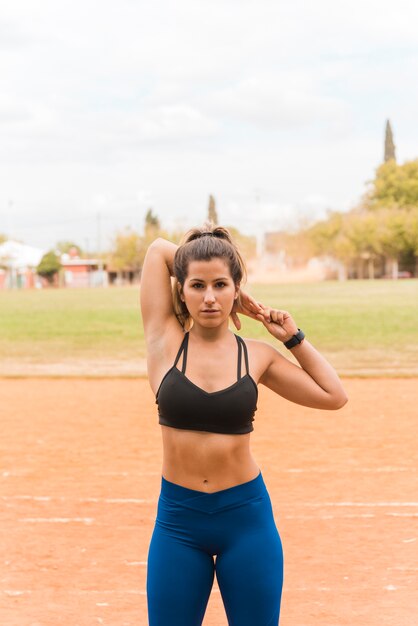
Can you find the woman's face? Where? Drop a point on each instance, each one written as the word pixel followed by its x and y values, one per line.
pixel 209 287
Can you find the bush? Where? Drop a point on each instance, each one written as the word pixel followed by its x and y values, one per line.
pixel 49 265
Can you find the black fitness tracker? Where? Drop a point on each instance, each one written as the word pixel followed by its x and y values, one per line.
pixel 297 338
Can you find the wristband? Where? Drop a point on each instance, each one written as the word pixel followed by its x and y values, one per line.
pixel 295 340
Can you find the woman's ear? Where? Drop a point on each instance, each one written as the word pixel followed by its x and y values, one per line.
pixel 179 292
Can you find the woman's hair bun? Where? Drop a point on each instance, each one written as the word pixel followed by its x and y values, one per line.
pixel 208 229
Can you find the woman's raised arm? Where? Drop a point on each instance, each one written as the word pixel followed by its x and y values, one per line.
pixel 315 384
pixel 155 290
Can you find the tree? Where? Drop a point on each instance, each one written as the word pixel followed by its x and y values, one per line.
pixel 125 255
pixel 394 186
pixel 323 234
pixel 393 236
pixel 298 245
pixel 212 213
pixel 385 224
pixel 49 265
pixel 362 230
pixel 411 234
pixel 389 145
pixel 65 246
pixel 329 237
pixel 152 223
pixel 247 245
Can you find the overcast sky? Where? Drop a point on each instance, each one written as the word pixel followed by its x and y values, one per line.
pixel 276 108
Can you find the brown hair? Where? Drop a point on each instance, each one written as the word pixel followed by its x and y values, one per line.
pixel 203 244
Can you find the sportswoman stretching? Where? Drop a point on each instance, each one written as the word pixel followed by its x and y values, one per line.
pixel 213 499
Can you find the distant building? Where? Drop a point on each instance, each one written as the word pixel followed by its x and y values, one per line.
pixel 18 264
pixel 79 272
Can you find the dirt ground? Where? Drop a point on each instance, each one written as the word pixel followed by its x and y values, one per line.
pixel 80 476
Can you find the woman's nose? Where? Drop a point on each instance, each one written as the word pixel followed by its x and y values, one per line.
pixel 209 296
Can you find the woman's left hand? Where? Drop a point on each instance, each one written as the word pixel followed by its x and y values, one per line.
pixel 246 305
pixel 279 323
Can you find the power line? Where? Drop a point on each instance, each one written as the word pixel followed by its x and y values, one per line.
pixel 91 218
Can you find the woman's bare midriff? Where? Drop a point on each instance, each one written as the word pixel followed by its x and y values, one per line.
pixel 206 461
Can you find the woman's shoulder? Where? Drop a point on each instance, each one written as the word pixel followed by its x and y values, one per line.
pixel 256 344
pixel 260 353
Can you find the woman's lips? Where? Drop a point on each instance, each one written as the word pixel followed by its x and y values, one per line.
pixel 211 312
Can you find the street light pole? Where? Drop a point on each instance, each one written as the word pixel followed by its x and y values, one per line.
pixel 99 249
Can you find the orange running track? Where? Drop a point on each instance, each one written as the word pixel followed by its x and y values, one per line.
pixel 80 473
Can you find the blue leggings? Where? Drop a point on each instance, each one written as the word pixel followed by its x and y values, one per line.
pixel 191 527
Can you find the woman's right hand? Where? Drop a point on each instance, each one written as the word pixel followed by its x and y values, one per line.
pixel 279 323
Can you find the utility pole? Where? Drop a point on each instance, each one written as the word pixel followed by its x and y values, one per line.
pixel 99 251
pixel 259 233
pixel 8 232
pixel 12 269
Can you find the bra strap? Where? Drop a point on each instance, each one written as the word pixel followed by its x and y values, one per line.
pixel 183 345
pixel 239 357
pixel 242 342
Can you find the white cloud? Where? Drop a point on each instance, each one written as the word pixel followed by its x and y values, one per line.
pixel 277 100
pixel 179 121
pixel 12 112
pixel 119 106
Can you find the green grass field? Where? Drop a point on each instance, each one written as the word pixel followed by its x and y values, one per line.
pixel 362 326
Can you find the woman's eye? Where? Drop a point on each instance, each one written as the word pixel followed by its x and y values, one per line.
pixel 199 285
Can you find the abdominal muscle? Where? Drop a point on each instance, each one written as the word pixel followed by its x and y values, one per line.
pixel 207 461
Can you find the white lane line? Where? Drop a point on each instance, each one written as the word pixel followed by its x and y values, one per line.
pixel 309 588
pixel 86 591
pixel 139 474
pixel 55 520
pixel 387 588
pixel 91 499
pixel 317 517
pixel 116 473
pixel 347 516
pixel 318 504
pixel 327 470
pixel 39 498
pixel 154 501
pixel 400 568
pixel 5 473
pixel 16 592
pixel 142 592
pixel 117 500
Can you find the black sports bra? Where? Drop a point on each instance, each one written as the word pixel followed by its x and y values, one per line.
pixel 182 404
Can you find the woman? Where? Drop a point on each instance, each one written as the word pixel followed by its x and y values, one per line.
pixel 213 500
